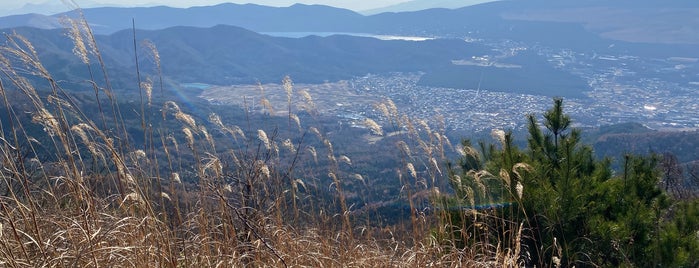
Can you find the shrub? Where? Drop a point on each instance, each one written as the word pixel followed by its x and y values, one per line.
pixel 575 211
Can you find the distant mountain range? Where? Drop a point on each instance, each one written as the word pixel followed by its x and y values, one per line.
pixel 45 8
pixel 220 44
pixel 229 54
pixel 232 55
pixel 417 5
pixel 642 21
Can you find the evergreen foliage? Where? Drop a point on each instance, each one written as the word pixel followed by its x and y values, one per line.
pixel 572 209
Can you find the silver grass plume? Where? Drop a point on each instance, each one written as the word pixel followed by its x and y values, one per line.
pixel 374 127
pixel 262 136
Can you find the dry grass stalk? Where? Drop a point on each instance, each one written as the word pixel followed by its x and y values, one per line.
pixel 374 127
pixel 215 208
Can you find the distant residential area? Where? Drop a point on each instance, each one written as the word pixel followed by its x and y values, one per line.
pixel 623 88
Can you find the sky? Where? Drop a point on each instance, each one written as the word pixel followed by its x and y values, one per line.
pixel 357 5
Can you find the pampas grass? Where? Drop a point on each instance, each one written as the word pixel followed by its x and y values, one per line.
pixel 227 200
pixel 373 126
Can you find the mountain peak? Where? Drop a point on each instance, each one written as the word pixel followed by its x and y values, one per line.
pixel 416 5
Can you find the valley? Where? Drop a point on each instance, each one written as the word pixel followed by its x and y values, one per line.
pixel 658 93
pixel 513 133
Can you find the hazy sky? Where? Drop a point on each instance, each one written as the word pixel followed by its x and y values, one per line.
pixel 350 4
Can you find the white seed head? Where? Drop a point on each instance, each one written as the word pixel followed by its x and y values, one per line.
pixel 147 86
pixel 216 120
pixel 174 142
pixel 298 182
pixel 288 87
pixel 435 165
pixel 524 166
pixel 189 136
pixel 133 197
pixel 262 136
pixel 520 189
pixel 153 50
pixel 171 106
pixel 345 159
pixel 313 152
pixel 404 147
pixel 499 135
pixel 206 135
pixel 238 131
pixel 505 176
pixel 175 177
pixel 187 119
pixel 374 127
pixel 296 119
pixel 314 130
pixel 424 125
pixel 79 48
pixel 129 179
pixel 411 170
pixel 289 145
pixel 267 105
pixel 392 108
pixel 264 169
pixel 383 109
pixel 358 177
pixel 46 119
pixel 307 97
pixel 214 164
pixel 139 154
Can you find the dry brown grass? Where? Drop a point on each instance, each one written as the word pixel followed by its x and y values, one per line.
pixel 96 201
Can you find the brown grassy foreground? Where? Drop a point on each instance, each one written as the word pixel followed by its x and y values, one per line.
pixel 76 191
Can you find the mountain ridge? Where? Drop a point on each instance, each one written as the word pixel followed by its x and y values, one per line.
pixel 636 22
pixel 226 55
pixel 416 5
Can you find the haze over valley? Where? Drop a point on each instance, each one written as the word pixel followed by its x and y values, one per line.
pixel 477 56
pixel 389 133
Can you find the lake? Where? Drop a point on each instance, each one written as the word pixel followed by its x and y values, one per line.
pixel 326 34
